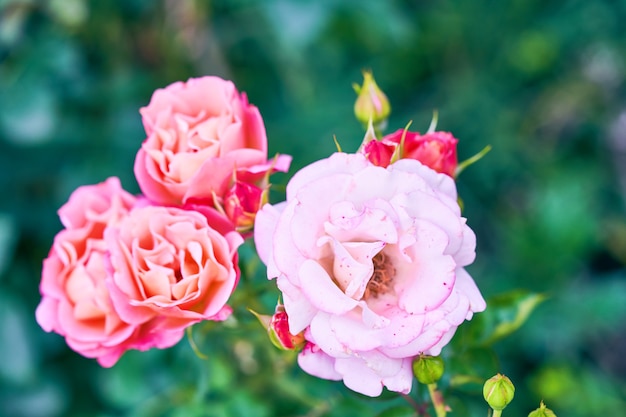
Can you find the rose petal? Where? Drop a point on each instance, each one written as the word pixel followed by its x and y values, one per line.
pixel 352 267
pixel 301 311
pixel 322 291
pixel 426 282
pixel 466 286
pixel 337 163
pixel 315 362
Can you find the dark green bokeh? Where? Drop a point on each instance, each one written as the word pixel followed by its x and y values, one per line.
pixel 542 82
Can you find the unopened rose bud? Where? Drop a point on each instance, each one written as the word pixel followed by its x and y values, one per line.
pixel 379 153
pixel 542 411
pixel 279 332
pixel 428 369
pixel 277 327
pixel 371 103
pixel 241 203
pixel 436 150
pixel 498 391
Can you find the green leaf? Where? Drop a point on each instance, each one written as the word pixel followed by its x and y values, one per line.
pixel 508 312
pixel 505 314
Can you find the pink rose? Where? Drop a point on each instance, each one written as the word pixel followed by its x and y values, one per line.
pixel 202 134
pixel 369 261
pixel 75 301
pixel 170 270
pixel 436 150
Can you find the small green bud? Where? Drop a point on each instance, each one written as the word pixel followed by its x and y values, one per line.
pixel 371 103
pixel 498 391
pixel 428 369
pixel 542 411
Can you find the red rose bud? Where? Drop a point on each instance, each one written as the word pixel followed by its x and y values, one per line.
pixel 241 203
pixel 436 150
pixel 498 392
pixel 371 103
pixel 279 332
pixel 277 327
pixel 379 153
pixel 542 411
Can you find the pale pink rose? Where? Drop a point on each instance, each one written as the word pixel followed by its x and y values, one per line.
pixel 170 270
pixel 75 301
pixel 436 150
pixel 369 261
pixel 201 135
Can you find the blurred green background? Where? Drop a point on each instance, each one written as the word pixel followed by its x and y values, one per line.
pixel 542 82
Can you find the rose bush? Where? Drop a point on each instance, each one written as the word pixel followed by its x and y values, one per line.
pixel 75 300
pixel 372 272
pixel 436 150
pixel 202 135
pixel 171 269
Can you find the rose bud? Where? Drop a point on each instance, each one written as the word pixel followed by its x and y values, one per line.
pixel 542 411
pixel 241 203
pixel 428 369
pixel 277 327
pixel 378 152
pixel 279 332
pixel 498 392
pixel 436 150
pixel 371 103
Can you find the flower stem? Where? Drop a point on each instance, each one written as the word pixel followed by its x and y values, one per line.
pixel 420 409
pixel 496 413
pixel 437 399
pixel 412 402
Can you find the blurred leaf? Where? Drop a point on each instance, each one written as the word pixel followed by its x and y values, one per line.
pixel 505 314
pixel 46 399
pixel 398 411
pixel 574 388
pixel 585 315
pixel 69 12
pixel 243 403
pixel 221 374
pixel 126 384
pixel 468 369
pixel 8 240
pixel 510 311
pixel 533 52
pixel 29 117
pixel 470 406
pixel 16 349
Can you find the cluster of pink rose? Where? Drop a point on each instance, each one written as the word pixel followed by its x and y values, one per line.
pixel 368 249
pixel 133 272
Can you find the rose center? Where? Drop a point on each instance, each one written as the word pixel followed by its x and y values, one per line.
pixel 382 277
pixel 178 274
